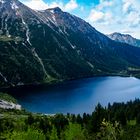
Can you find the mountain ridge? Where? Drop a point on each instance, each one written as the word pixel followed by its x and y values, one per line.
pixel 125 38
pixel 52 45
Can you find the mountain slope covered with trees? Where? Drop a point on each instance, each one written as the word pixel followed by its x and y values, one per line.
pixel 52 45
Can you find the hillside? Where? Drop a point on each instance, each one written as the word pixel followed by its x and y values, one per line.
pixel 52 45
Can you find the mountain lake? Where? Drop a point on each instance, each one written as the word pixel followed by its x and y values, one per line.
pixel 79 96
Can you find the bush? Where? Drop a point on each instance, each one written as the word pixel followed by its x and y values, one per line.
pixel 30 134
pixel 74 132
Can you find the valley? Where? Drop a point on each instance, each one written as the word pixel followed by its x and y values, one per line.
pixel 40 47
pixel 65 79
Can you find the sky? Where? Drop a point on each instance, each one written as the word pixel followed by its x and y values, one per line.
pixel 107 16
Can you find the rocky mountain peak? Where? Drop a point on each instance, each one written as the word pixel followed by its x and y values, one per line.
pixel 9 1
pixel 119 34
pixel 43 46
pixel 9 6
pixel 125 38
pixel 56 9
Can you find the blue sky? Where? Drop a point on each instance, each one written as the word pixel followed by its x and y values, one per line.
pixel 107 16
pixel 85 2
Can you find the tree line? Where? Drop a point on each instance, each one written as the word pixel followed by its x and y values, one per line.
pixel 119 121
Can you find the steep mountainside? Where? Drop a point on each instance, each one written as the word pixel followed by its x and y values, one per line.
pixel 42 46
pixel 125 38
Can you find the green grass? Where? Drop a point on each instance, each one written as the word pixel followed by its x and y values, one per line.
pixel 132 122
pixel 6 38
pixel 6 97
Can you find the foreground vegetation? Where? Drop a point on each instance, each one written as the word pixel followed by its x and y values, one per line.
pixel 119 121
pixel 7 97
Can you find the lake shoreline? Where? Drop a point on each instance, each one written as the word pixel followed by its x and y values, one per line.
pixel 55 82
pixel 77 96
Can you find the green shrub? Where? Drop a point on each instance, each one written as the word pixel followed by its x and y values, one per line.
pixel 74 132
pixel 30 134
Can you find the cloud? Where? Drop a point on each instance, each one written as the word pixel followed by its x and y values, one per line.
pixel 102 12
pixel 116 16
pixel 104 3
pixel 36 4
pixel 99 16
pixel 106 16
pixel 41 5
pixel 127 32
pixel 127 7
pixel 95 16
pixel 131 12
pixel 71 5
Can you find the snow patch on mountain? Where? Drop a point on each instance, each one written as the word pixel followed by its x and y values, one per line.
pixel 52 11
pixel 4 78
pixel 2 1
pixel 27 31
pixel 40 60
pixel 91 65
pixel 14 6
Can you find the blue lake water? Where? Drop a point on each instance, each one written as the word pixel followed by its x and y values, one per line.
pixel 80 96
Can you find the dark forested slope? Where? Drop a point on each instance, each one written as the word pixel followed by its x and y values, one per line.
pixel 42 46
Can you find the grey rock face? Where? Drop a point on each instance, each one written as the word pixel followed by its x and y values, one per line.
pixel 125 38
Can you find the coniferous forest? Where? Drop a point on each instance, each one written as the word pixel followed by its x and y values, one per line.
pixel 119 121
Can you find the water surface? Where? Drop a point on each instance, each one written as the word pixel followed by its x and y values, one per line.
pixel 80 96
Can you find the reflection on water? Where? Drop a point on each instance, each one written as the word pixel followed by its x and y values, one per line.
pixel 80 96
